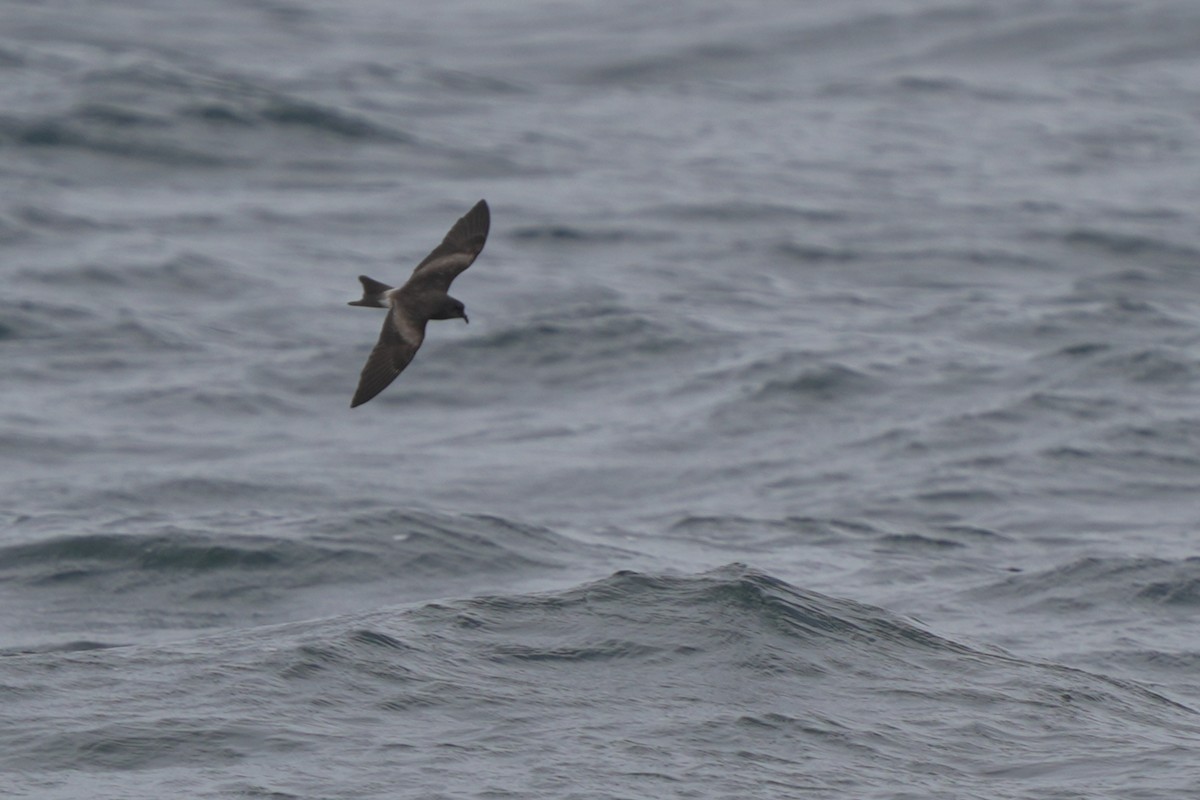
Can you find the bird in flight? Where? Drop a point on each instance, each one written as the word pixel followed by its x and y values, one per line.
pixel 424 297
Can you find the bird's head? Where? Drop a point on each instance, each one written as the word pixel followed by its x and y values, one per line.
pixel 451 308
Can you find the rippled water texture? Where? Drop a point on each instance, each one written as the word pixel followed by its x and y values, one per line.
pixel 826 426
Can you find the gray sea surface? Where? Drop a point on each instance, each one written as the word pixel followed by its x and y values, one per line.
pixel 827 425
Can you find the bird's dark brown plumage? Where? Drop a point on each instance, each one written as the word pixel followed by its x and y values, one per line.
pixel 422 298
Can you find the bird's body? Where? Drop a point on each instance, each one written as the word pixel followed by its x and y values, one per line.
pixel 423 297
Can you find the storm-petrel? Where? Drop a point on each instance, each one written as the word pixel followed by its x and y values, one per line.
pixel 422 298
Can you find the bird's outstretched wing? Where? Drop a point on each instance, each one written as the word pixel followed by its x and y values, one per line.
pixel 391 355
pixel 456 252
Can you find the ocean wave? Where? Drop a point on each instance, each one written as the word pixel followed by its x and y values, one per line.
pixel 463 544
pixel 169 94
pixel 28 319
pixel 1105 38
pixel 785 391
pixel 790 382
pixel 167 113
pixel 1094 364
pixel 825 382
pixel 586 235
pixel 271 110
pixel 741 211
pixel 1103 582
pixel 1127 245
pixel 190 273
pixel 708 611
pixel 74 646
pixel 356 548
pixel 716 625
pixel 77 132
pixel 751 534
pixel 40 217
pixel 579 344
pixel 1178 435
pixel 732 665
pixel 1162 366
pixel 90 556
pixel 935 84
pixel 810 253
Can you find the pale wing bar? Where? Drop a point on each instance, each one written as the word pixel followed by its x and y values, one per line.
pixel 456 252
pixel 391 355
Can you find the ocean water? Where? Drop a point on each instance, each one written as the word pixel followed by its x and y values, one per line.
pixel 827 425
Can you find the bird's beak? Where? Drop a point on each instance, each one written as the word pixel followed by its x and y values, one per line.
pixel 466 320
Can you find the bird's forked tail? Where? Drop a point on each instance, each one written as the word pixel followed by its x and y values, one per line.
pixel 373 292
